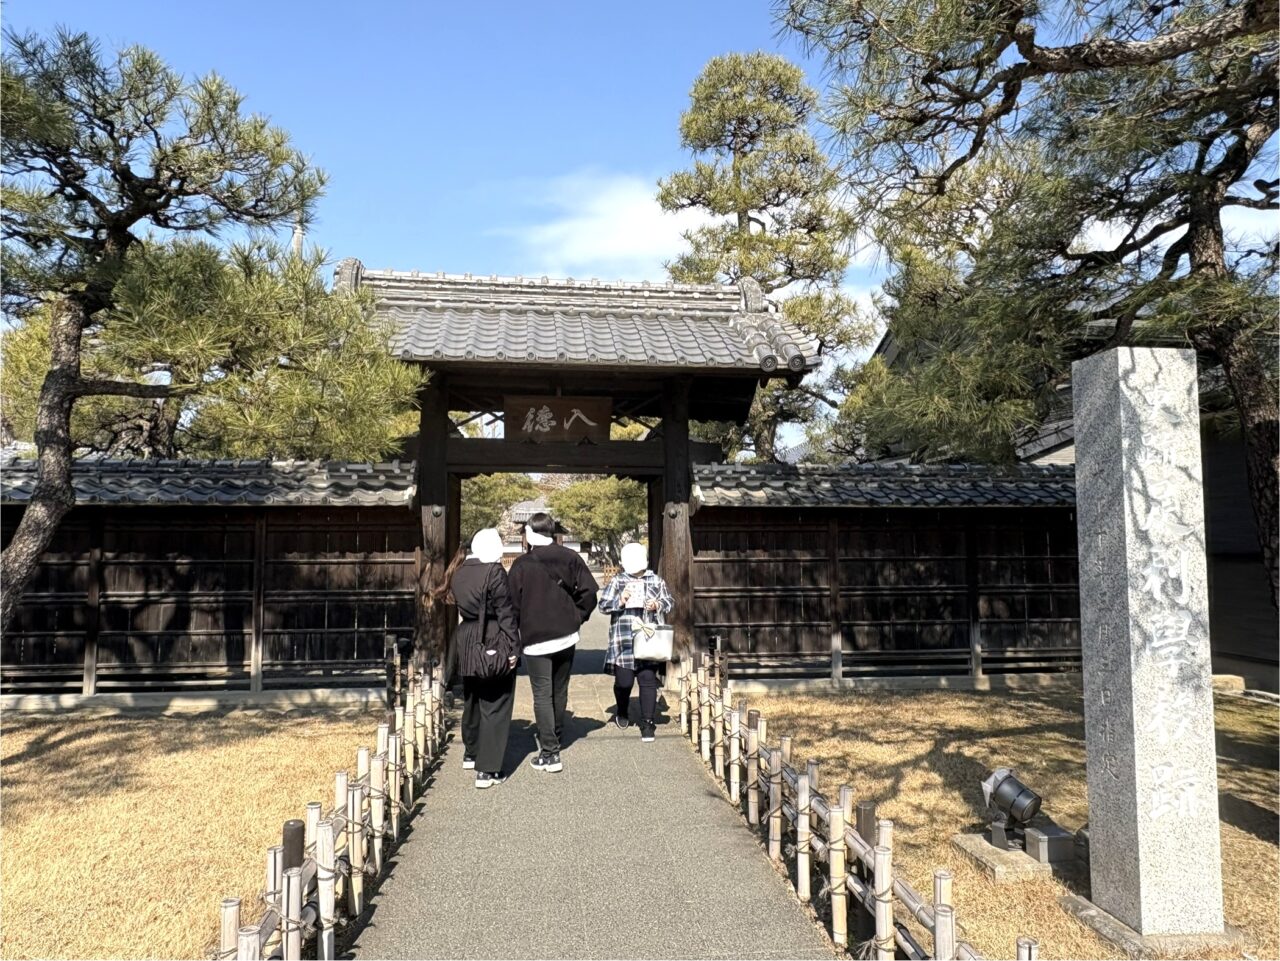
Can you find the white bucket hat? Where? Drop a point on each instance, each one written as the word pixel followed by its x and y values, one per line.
pixel 487 545
pixel 635 558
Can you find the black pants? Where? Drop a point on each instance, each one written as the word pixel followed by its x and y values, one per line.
pixel 549 679
pixel 486 718
pixel 646 672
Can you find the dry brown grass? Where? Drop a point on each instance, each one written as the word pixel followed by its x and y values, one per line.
pixel 122 834
pixel 922 755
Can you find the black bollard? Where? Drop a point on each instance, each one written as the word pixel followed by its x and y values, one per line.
pixel 294 842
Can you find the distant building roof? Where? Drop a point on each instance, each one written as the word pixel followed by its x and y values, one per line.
pixel 523 510
pixel 451 319
pixel 882 485
pixel 226 483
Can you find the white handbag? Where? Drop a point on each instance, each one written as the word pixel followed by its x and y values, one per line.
pixel 653 642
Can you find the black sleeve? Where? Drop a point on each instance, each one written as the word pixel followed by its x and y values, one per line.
pixel 515 585
pixel 586 588
pixel 500 597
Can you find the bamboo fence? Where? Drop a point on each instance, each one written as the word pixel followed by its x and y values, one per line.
pixel 316 877
pixel 826 837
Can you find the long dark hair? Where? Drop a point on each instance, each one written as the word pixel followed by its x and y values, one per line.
pixel 442 593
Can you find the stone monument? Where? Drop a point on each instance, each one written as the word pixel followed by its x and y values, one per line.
pixel 1155 862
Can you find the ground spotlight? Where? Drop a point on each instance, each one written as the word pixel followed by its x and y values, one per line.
pixel 1012 805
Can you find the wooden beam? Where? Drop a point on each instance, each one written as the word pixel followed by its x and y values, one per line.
pixel 93 603
pixel 258 610
pixel 971 595
pixel 833 586
pixel 653 489
pixel 480 455
pixel 676 564
pixel 433 505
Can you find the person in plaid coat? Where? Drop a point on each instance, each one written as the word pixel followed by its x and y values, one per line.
pixel 635 596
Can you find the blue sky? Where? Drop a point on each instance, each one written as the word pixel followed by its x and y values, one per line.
pixel 499 137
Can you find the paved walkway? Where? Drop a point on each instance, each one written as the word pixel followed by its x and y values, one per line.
pixel 631 852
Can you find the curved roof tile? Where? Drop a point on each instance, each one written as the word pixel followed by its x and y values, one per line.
pixel 447 318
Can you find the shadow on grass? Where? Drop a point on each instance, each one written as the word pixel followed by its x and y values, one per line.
pixel 90 758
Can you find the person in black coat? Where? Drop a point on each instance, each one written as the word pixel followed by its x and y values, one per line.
pixel 553 593
pixel 487 655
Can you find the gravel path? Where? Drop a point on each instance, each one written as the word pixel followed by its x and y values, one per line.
pixel 631 852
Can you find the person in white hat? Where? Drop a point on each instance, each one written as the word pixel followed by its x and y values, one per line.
pixel 488 646
pixel 635 596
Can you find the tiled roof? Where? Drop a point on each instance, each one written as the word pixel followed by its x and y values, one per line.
pixel 883 485
pixel 227 483
pixel 523 510
pixel 446 318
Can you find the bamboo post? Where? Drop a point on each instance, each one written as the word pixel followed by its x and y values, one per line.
pixel 228 927
pixel 440 682
pixel 883 881
pixel 753 768
pixel 420 729
pixel 364 778
pixel 839 888
pixel 683 684
pixel 312 825
pixel 1028 949
pixel 291 916
pixel 942 887
pixel 340 790
pixel 355 851
pixel 786 748
pixel 717 726
pixel 775 804
pixel 428 720
pixel 864 927
pixel 393 783
pixel 803 813
pixel 378 806
pixel 275 874
pixel 326 874
pixel 884 833
pixel 846 803
pixel 735 756
pixel 704 727
pixel 247 948
pixel 362 764
pixel 812 770
pixel 944 932
pixel 406 751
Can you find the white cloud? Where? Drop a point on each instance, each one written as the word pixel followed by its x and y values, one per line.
pixel 603 225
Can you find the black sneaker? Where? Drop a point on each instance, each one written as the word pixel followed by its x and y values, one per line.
pixel 489 778
pixel 468 762
pixel 621 722
pixel 548 762
pixel 647 730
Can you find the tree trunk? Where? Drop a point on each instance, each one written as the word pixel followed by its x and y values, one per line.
pixel 53 496
pixel 1245 365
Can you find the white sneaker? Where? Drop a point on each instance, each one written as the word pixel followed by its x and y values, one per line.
pixel 468 762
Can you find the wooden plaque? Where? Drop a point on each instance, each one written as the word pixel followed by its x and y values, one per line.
pixel 549 418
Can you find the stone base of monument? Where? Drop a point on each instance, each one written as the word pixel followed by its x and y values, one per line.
pixel 1003 867
pixel 1227 944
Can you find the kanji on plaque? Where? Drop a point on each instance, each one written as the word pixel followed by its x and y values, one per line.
pixel 545 418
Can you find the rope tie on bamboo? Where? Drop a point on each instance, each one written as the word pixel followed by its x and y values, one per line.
pixel 306 927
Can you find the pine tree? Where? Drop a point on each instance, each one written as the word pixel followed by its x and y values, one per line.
pixel 264 360
pixel 97 152
pixel 758 168
pixel 1030 193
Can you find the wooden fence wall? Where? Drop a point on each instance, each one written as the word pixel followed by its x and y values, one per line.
pixel 859 592
pixel 250 598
